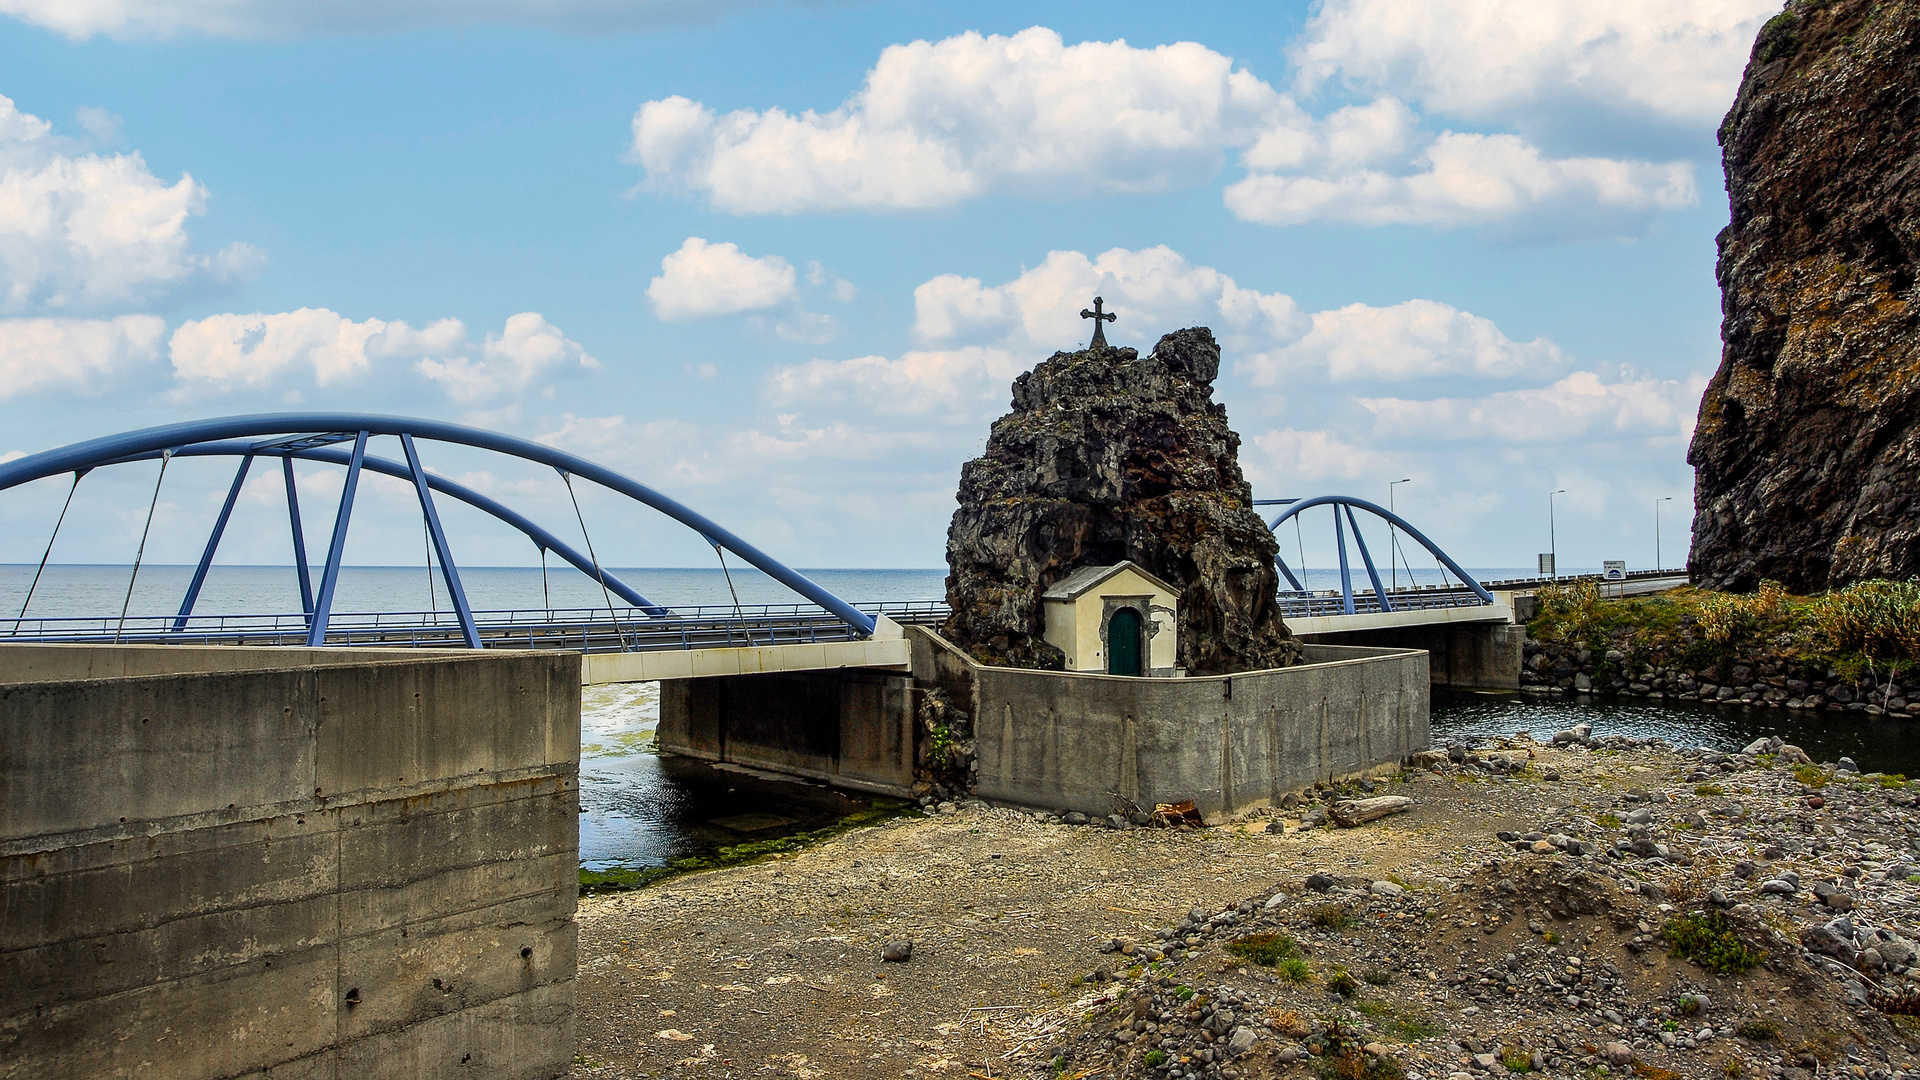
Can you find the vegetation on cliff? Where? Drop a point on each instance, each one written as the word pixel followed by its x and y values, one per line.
pixel 1838 649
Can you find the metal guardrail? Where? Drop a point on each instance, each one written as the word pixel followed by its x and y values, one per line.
pixel 1331 602
pixel 633 629
pixel 577 629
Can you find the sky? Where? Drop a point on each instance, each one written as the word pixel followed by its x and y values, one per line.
pixel 782 260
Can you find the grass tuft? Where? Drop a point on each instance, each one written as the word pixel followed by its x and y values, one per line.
pixel 1706 940
pixel 1266 950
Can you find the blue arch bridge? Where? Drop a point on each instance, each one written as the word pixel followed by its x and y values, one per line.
pixel 632 636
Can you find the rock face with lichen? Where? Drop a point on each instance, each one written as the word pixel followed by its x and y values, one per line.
pixel 1807 451
pixel 1108 455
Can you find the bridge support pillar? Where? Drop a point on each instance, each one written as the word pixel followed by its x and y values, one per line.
pixel 1468 656
pixel 850 727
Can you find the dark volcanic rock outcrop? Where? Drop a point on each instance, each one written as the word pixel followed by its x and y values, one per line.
pixel 1807 453
pixel 1106 456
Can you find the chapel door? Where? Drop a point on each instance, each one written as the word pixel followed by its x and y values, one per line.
pixel 1123 643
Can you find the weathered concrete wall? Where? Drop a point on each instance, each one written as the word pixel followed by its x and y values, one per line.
pixel 1069 741
pixel 1482 656
pixel 852 727
pixel 336 864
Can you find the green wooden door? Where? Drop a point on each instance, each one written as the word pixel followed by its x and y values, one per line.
pixel 1123 643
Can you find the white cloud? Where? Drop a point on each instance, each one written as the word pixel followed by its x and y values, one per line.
pixel 944 121
pixel 969 116
pixel 1493 59
pixel 74 354
pixel 1581 406
pixel 1309 455
pixel 1411 340
pixel 87 232
pixel 527 351
pixel 701 280
pixel 1465 179
pixel 82 19
pixel 1153 289
pixel 956 386
pixel 253 351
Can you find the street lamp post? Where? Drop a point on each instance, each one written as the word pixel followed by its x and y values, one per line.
pixel 1657 564
pixel 1393 538
pixel 1553 537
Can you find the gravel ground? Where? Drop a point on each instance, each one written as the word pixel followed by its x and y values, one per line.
pixel 1043 949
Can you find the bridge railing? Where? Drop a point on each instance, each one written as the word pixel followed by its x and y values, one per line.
pixel 582 629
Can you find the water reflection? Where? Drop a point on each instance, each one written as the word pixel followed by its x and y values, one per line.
pixel 639 809
pixel 1878 745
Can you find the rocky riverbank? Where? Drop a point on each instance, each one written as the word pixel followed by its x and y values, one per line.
pixel 1560 669
pixel 1566 909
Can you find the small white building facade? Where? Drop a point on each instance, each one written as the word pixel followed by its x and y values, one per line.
pixel 1114 620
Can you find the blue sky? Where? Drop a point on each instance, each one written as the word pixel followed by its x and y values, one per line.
pixel 782 260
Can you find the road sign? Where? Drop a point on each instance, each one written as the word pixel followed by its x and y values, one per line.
pixel 1546 564
pixel 1615 569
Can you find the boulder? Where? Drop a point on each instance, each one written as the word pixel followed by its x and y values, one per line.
pixel 1109 455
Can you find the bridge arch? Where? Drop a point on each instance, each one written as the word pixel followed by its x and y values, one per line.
pixel 1344 506
pixel 306 436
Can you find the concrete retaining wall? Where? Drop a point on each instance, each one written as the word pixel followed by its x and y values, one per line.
pixel 1230 743
pixel 287 863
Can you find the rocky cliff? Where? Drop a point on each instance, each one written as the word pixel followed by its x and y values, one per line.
pixel 1108 455
pixel 1807 453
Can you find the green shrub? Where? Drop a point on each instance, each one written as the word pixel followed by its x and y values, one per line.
pixel 1758 1030
pixel 1706 940
pixel 1812 775
pixel 1294 970
pixel 1342 983
pixel 1331 917
pixel 1154 1059
pixel 1263 949
pixel 1709 789
pixel 1875 618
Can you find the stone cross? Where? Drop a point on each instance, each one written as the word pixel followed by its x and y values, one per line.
pixel 1099 332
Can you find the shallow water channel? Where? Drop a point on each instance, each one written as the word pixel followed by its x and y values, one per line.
pixel 641 811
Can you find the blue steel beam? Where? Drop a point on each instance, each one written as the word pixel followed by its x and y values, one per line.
pixel 1291 580
pixel 114 447
pixel 1366 557
pixel 447 570
pixel 1346 577
pixel 1372 508
pixel 299 538
pixel 330 577
pixel 213 543
pixel 541 538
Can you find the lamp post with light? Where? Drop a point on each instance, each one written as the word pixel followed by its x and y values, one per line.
pixel 1393 538
pixel 1553 538
pixel 1657 564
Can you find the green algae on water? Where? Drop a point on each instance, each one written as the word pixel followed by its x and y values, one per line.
pixel 626 879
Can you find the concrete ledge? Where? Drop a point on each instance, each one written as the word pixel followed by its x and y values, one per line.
pixel 886 649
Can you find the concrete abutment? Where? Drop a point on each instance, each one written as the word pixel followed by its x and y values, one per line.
pixel 227 862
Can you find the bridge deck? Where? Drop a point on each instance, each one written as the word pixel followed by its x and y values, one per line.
pixel 627 644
